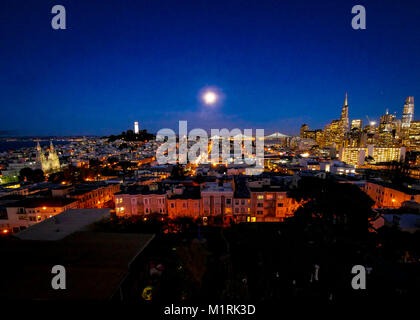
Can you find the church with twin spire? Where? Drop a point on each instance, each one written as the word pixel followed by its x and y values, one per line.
pixel 49 164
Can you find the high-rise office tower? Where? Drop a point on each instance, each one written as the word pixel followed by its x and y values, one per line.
pixel 385 122
pixel 136 127
pixel 345 115
pixel 408 113
pixel 356 124
pixel 303 129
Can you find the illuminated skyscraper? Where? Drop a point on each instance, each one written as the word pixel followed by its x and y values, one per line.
pixel 136 127
pixel 408 113
pixel 385 122
pixel 356 124
pixel 345 115
pixel 303 129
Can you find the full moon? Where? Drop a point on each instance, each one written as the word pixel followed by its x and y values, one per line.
pixel 210 97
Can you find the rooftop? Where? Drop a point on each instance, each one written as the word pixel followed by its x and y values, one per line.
pixel 188 193
pixel 89 258
pixel 41 202
pixel 216 187
pixel 63 224
pixel 410 191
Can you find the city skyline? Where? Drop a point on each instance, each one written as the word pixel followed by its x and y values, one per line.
pixel 148 62
pixel 406 112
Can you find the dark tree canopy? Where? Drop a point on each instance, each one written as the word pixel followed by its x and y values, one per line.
pixel 177 172
pixel 333 202
pixel 29 175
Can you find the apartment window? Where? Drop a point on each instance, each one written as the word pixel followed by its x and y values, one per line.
pixel 259 212
pixel 228 200
pixel 269 197
pixel 259 205
pixel 279 204
pixel 236 210
pixel 237 202
pixel 242 202
pixel 260 197
pixel 172 205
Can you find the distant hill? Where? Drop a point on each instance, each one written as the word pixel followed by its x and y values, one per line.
pixel 129 135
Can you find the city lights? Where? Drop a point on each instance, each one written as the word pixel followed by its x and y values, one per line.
pixel 207 159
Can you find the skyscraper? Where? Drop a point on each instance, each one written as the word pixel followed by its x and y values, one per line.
pixel 356 124
pixel 303 129
pixel 136 127
pixel 385 122
pixel 408 113
pixel 345 115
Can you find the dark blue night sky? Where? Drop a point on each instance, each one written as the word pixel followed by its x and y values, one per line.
pixel 278 63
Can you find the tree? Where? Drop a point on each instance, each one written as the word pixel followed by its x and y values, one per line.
pixel 56 177
pixel 333 203
pixel 26 174
pixel 29 175
pixel 38 175
pixel 122 146
pixel 177 172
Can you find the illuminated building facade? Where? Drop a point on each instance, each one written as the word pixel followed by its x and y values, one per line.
pixel 353 155
pixel 140 200
pixel 358 156
pixel 48 164
pixel 356 124
pixel 413 137
pixel 385 122
pixel 408 113
pixel 94 194
pixel 303 130
pixel 184 202
pixel 386 154
pixel 389 196
pixel 217 199
pixel 25 213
